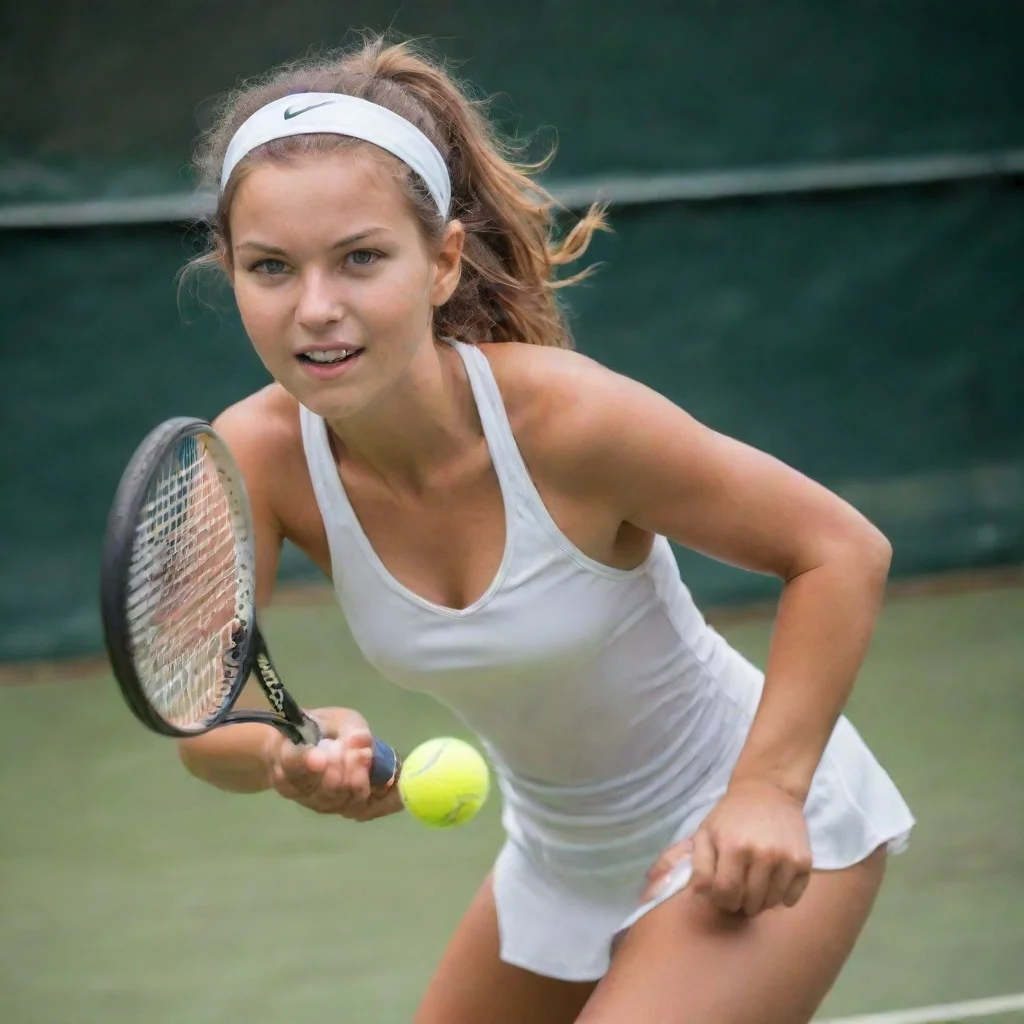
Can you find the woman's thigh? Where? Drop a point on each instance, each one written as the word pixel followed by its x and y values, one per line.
pixel 687 961
pixel 473 985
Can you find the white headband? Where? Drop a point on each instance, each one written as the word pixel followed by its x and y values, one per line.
pixel 331 113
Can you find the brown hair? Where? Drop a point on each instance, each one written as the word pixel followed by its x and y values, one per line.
pixel 508 287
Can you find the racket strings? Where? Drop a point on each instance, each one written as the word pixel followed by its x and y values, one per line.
pixel 181 601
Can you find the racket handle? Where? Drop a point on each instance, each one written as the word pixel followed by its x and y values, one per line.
pixel 386 765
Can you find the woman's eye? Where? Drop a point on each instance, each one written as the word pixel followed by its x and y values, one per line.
pixel 363 257
pixel 268 266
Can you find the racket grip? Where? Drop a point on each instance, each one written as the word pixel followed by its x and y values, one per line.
pixel 385 766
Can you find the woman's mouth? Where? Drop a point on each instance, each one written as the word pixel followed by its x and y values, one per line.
pixel 326 364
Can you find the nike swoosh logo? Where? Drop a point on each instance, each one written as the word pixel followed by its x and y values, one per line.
pixel 291 112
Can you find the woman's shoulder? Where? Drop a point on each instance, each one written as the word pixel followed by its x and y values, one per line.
pixel 555 398
pixel 537 381
pixel 262 430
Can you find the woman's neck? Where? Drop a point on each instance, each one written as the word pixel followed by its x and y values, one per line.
pixel 427 420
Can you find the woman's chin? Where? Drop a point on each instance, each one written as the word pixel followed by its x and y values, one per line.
pixel 331 403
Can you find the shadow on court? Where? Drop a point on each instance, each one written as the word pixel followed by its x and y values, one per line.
pixel 132 893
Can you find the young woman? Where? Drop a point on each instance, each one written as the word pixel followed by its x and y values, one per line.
pixel 687 839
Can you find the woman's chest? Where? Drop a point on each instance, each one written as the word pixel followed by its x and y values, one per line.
pixel 541 617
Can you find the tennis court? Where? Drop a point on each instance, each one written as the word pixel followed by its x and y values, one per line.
pixel 818 234
pixel 131 892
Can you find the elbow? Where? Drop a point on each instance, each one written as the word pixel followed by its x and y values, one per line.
pixel 187 755
pixel 867 552
pixel 857 549
pixel 877 551
pixel 195 756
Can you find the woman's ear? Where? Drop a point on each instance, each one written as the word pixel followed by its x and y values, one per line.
pixel 448 264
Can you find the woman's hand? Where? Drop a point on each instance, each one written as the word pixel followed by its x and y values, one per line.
pixel 751 853
pixel 334 776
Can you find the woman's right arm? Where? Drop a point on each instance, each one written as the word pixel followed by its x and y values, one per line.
pixel 238 758
pixel 333 778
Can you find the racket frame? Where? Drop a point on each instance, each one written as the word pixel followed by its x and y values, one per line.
pixel 249 652
pixel 115 563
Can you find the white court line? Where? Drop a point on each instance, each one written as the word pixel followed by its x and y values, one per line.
pixel 938 1014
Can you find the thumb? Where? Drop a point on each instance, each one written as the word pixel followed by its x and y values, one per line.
pixel 316 759
pixel 296 762
pixel 704 860
pixel 665 869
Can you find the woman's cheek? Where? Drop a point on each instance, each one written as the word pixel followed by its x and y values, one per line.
pixel 263 323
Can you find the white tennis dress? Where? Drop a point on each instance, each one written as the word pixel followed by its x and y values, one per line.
pixel 612 713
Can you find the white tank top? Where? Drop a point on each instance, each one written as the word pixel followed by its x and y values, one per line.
pixel 601 695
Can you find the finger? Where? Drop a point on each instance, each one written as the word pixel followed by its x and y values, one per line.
pixel 729 885
pixel 676 878
pixel 356 738
pixel 292 758
pixel 380 804
pixel 344 783
pixel 356 768
pixel 297 772
pixel 330 795
pixel 333 783
pixel 297 787
pixel 316 759
pixel 661 871
pixel 670 858
pixel 323 804
pixel 300 790
pixel 290 755
pixel 798 886
pixel 782 881
pixel 704 859
pixel 759 879
pixel 359 750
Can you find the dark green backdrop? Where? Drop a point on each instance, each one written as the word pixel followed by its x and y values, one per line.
pixel 105 97
pixel 874 340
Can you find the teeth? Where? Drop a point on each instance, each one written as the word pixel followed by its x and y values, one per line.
pixel 333 356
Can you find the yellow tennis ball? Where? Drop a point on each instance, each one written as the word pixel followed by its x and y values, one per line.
pixel 444 782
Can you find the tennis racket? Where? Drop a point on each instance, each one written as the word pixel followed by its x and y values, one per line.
pixel 178 594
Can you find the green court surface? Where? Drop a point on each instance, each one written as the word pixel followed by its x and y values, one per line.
pixel 131 892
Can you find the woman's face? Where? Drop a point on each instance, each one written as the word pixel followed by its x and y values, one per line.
pixel 334 279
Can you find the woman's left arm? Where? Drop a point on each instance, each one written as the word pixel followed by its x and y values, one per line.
pixel 664 472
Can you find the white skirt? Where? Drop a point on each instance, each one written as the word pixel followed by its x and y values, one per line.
pixel 559 916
